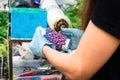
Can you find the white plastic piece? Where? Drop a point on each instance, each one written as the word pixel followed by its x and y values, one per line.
pixel 66 46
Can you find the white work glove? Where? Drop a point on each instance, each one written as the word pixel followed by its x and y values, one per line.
pixel 74 35
pixel 38 41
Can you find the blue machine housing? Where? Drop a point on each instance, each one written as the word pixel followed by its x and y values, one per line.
pixel 25 20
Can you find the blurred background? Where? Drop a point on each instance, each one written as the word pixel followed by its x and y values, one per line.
pixel 4 20
pixel 70 8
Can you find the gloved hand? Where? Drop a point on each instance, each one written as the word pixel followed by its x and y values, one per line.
pixel 74 35
pixel 38 42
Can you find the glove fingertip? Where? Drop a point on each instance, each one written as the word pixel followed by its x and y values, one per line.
pixel 35 51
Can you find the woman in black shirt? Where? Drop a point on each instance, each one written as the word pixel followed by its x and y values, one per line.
pixel 97 55
pixel 105 15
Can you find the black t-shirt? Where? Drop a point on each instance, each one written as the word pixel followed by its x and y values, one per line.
pixel 106 15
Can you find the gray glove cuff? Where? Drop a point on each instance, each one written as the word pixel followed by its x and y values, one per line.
pixel 36 49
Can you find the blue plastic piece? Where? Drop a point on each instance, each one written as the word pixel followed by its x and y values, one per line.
pixel 25 20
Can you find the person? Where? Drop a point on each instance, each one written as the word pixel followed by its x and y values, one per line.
pixel 97 55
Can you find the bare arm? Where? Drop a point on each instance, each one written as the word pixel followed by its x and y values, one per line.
pixel 94 49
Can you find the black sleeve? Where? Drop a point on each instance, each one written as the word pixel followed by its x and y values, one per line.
pixel 106 15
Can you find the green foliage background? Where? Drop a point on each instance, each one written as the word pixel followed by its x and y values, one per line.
pixel 74 15
pixel 4 21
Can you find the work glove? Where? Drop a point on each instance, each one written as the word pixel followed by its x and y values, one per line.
pixel 74 35
pixel 38 41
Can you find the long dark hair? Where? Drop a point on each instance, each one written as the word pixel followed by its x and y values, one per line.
pixel 87 9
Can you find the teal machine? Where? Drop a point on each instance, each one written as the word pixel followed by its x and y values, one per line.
pixel 23 22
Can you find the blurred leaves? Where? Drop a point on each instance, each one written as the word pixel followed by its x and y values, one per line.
pixel 73 14
pixel 3 46
pixel 4 19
